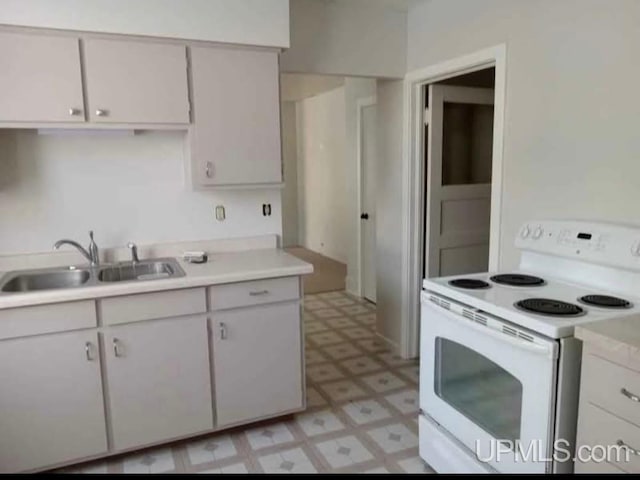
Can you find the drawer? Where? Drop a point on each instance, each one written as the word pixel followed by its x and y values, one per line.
pixel 36 320
pixel 147 306
pixel 243 294
pixel 597 427
pixel 603 382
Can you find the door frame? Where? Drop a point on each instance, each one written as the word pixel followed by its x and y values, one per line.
pixel 413 176
pixel 361 104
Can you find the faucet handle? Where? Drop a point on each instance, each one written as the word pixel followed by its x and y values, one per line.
pixel 134 252
pixel 91 235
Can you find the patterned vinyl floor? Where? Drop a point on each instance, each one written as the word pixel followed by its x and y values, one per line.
pixel 361 416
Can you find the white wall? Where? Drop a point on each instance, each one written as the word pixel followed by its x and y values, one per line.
pixel 346 38
pixel 252 22
pixel 298 86
pixel 389 238
pixel 126 188
pixel 571 147
pixel 290 236
pixel 323 203
pixel 355 89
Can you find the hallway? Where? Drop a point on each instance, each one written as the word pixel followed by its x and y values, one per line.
pixel 328 274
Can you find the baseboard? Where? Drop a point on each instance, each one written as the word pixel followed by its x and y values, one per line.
pixel 395 347
pixel 351 286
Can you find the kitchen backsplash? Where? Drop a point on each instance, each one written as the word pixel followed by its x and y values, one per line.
pixel 124 186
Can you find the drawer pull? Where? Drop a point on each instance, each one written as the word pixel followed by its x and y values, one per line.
pixel 223 331
pixel 116 350
pixel 87 351
pixel 259 293
pixel 630 395
pixel 620 443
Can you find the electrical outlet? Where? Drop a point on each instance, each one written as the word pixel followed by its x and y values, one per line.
pixel 220 213
pixel 266 209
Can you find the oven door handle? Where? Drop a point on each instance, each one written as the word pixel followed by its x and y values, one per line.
pixel 549 350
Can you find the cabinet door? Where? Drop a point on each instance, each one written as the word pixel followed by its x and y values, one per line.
pixel 40 79
pixel 236 133
pixel 257 362
pixel 51 404
pixel 159 380
pixel 136 82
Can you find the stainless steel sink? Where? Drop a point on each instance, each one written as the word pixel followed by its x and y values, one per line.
pixel 45 280
pixel 144 270
pixel 70 277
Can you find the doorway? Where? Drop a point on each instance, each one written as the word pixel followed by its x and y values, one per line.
pixel 458 145
pixel 415 177
pixel 328 200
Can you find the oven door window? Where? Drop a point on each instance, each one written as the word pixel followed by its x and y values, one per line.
pixel 479 389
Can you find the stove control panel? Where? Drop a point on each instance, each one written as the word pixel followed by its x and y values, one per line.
pixel 603 243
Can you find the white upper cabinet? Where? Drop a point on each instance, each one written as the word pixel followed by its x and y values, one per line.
pixel 136 82
pixel 40 79
pixel 235 139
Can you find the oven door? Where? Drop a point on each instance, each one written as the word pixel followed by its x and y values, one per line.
pixel 490 387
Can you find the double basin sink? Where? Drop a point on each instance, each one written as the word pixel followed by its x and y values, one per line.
pixel 74 277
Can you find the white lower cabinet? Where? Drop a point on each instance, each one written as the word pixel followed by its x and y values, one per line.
pixel 257 362
pixel 159 383
pixel 131 381
pixel 51 402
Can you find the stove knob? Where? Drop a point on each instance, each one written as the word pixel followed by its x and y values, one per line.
pixel 537 233
pixel 635 249
pixel 524 233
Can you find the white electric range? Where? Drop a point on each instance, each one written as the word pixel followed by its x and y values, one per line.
pixel 499 367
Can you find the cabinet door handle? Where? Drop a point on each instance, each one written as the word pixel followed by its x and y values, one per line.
pixel 87 351
pixel 116 350
pixel 620 443
pixel 101 113
pixel 74 111
pixel 223 331
pixel 209 170
pixel 630 395
pixel 259 293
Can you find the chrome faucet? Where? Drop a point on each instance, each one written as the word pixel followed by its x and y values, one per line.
pixel 134 252
pixel 91 254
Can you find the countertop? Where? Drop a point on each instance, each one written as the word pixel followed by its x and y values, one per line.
pixel 620 336
pixel 221 268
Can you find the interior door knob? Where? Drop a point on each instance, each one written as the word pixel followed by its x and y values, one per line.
pixel 364 216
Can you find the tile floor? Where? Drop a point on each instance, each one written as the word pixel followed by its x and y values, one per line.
pixel 361 415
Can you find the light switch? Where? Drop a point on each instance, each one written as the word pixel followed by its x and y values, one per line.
pixel 220 215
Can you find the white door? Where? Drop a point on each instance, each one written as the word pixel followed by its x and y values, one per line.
pixel 482 385
pixel 159 380
pixel 51 404
pixel 257 359
pixel 368 189
pixel 458 194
